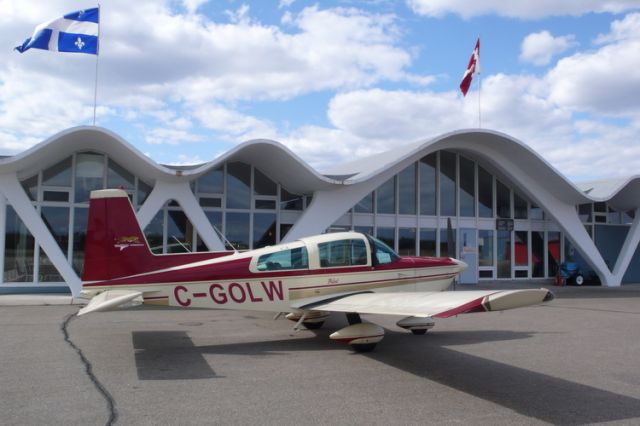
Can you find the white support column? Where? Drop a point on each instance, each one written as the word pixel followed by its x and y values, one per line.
pixel 12 190
pixel 628 249
pixel 181 192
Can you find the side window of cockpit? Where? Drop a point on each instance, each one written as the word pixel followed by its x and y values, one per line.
pixel 342 253
pixel 296 258
pixel 383 253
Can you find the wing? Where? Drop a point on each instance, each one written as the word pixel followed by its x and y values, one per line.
pixel 110 299
pixel 428 304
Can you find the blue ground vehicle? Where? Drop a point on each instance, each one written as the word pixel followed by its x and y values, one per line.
pixel 570 272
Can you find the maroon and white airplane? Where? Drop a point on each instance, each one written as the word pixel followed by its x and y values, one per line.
pixel 309 278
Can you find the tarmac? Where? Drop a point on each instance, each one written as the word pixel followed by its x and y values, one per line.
pixel 573 361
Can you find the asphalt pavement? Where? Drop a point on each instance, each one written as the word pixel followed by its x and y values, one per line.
pixel 573 361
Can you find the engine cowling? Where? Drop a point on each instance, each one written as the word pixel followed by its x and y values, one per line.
pixel 363 333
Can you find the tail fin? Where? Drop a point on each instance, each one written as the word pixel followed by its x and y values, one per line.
pixel 115 245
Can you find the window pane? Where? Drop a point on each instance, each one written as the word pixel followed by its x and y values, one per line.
pixel 57 220
pixel 179 232
pixel 445 250
pixel 284 229
pixel 365 205
pixel 485 193
pixel 296 258
pixel 520 206
pixel 504 200
pixel 386 197
pixel 427 242
pixel 504 254
pixel 407 241
pixel 89 175
pixel 521 248
pixel 536 213
pixel 447 183
pixel 467 188
pixel 387 236
pixel 47 271
pixel 237 230
pixel 428 166
pixel 30 186
pixel 265 204
pixel 289 201
pixel 553 253
pixel 143 191
pixel 262 185
pixel 18 249
pixel 485 247
pixel 210 202
pixel 154 232
pixel 118 176
pixel 407 182
pixel 364 229
pixel 80 216
pixel 57 196
pixel 342 253
pixel 59 174
pixel 215 218
pixel 212 182
pixel 238 186
pixel 264 230
pixel 537 254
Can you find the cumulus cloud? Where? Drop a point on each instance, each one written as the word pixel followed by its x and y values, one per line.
pixel 519 9
pixel 539 48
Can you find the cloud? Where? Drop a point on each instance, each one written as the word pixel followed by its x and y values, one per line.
pixel 539 48
pixel 519 9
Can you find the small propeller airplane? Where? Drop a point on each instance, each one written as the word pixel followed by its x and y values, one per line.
pixel 309 278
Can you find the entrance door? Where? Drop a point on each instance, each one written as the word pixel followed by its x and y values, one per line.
pixel 469 255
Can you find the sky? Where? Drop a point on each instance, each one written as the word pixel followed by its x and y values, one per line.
pixel 185 81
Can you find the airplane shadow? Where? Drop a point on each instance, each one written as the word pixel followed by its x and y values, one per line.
pixel 162 355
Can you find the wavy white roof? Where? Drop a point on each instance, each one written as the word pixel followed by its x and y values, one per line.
pixel 284 166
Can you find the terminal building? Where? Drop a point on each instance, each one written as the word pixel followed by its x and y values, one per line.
pixel 513 216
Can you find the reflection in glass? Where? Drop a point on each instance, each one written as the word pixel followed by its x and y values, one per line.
pixel 215 218
pixel 143 191
pixel 18 249
pixel 58 174
pixel 30 186
pixel 179 232
pixel 262 185
pixel 428 166
pixel 89 175
pixel 503 200
pixel 80 216
pixel 284 229
pixel 407 241
pixel 521 248
pixel 447 183
pixel 386 197
pixel 553 253
pixel 485 247
pixel 364 229
pixel 536 213
pixel 47 271
pixel 387 235
pixel 519 206
pixel 445 250
pixel 365 205
pixel 212 182
pixel 154 233
pixel 57 221
pixel 428 242
pixel 238 186
pixel 289 201
pixel 407 182
pixel 119 177
pixel 504 254
pixel 537 254
pixel 467 187
pixel 485 193
pixel 264 230
pixel 237 230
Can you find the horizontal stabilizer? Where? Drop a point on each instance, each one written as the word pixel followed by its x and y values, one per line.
pixel 110 299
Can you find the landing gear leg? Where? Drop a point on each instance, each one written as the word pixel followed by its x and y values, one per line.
pixel 353 318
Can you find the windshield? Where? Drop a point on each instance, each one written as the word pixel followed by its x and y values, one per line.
pixel 382 252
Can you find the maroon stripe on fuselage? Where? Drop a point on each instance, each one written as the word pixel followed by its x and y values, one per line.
pixel 238 269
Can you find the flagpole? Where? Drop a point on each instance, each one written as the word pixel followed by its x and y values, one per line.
pixel 95 85
pixel 479 88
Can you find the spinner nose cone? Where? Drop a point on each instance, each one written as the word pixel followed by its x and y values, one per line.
pixel 461 266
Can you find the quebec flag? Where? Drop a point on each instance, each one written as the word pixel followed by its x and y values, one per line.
pixel 75 32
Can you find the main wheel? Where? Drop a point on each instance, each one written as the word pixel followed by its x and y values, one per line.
pixel 419 331
pixel 579 280
pixel 313 325
pixel 363 347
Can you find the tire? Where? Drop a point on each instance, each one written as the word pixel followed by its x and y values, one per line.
pixel 313 325
pixel 579 279
pixel 364 347
pixel 419 331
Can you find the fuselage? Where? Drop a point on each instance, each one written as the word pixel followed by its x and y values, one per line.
pixel 270 279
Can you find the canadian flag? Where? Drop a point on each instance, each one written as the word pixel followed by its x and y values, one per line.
pixel 472 69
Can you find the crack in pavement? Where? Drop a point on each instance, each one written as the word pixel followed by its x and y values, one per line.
pixel 111 404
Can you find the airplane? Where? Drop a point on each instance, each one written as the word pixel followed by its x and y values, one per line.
pixel 310 278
